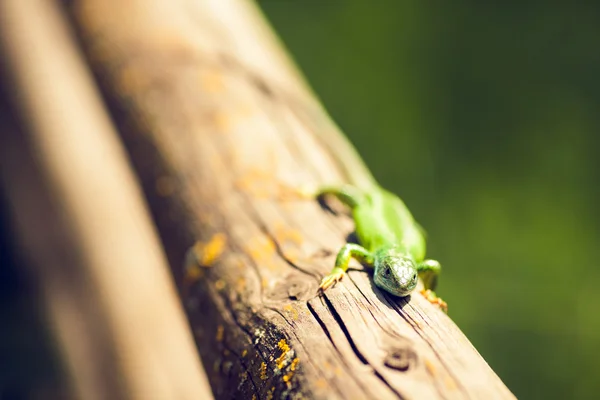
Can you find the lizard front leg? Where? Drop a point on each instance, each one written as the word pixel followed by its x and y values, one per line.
pixel 429 271
pixel 350 250
pixel 347 194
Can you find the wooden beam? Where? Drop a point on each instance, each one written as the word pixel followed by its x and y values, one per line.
pixel 217 122
pixel 82 222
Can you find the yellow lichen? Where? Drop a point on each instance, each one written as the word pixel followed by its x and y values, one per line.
pixel 264 283
pixel 263 371
pixel 270 393
pixel 220 284
pixel 290 309
pixel 430 367
pixel 220 333
pixel 294 364
pixel 255 182
pixel 192 274
pixel 292 255
pixel 262 250
pixel 288 377
pixel 450 383
pixel 321 383
pixel 284 351
pixel 283 233
pixel 208 253
pixel 205 255
pixel 244 353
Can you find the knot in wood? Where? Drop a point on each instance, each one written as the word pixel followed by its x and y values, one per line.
pixel 400 358
pixel 293 287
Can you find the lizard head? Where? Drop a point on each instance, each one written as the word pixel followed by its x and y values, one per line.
pixel 396 273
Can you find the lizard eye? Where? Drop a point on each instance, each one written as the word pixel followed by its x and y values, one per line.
pixel 414 277
pixel 386 272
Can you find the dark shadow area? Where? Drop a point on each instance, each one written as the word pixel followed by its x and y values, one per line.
pixel 29 363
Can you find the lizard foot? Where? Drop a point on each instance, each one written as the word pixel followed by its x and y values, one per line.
pixel 330 280
pixel 434 299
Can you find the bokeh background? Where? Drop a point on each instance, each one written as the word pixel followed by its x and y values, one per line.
pixel 485 119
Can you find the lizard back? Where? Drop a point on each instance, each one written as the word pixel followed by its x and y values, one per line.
pixel 382 219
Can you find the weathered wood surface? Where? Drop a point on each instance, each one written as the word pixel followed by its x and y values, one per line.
pixel 216 122
pixel 82 223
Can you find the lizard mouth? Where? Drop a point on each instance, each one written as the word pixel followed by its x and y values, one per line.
pixel 401 290
pixel 405 291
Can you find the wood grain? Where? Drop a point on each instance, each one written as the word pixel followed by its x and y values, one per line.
pixel 82 223
pixel 218 124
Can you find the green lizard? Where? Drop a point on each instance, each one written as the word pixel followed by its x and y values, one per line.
pixel 391 242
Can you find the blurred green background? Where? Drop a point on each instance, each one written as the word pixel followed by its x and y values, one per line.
pixel 484 118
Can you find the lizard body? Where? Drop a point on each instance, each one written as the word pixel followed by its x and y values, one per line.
pixel 390 241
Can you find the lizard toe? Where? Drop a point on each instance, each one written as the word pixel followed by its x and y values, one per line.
pixel 330 280
pixel 431 297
